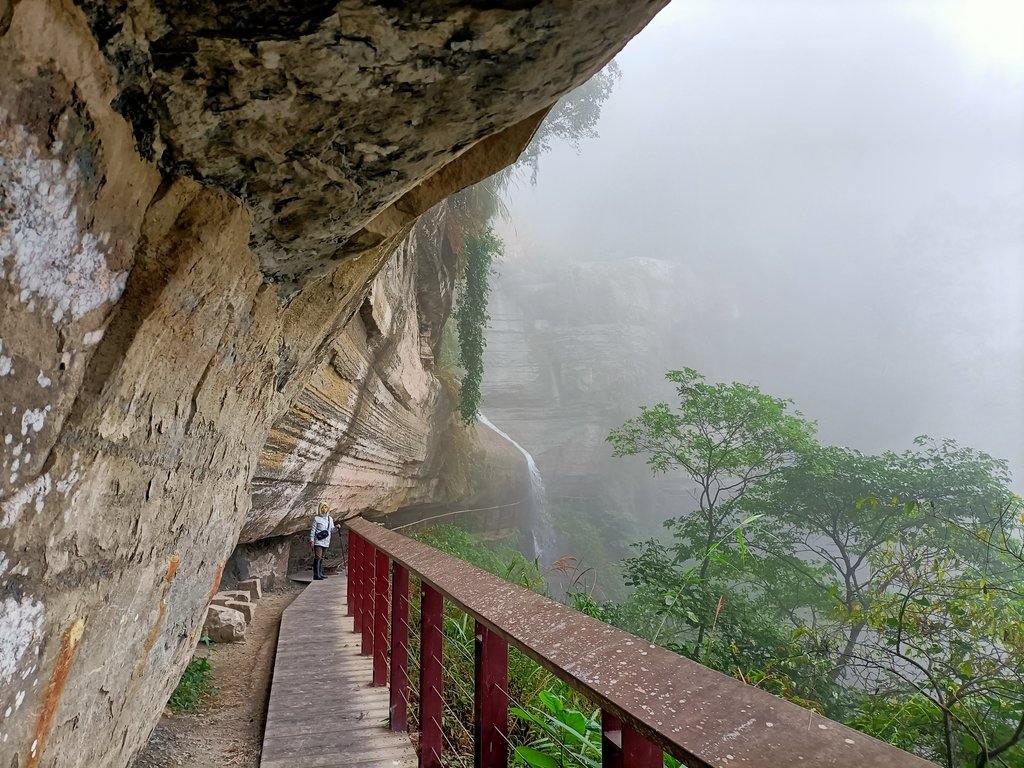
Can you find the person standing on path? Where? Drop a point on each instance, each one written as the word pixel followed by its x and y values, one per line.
pixel 320 538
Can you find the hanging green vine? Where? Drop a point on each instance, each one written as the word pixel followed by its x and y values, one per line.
pixel 471 316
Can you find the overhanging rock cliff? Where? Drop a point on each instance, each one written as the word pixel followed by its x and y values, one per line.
pixel 195 199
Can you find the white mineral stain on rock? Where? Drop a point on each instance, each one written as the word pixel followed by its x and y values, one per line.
pixel 34 418
pixel 43 380
pixel 44 248
pixel 65 484
pixel 33 493
pixel 6 363
pixel 21 622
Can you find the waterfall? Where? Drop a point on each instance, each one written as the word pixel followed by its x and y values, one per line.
pixel 542 532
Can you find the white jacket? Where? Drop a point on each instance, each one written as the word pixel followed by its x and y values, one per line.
pixel 321 523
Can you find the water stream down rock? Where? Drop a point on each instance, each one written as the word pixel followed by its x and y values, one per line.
pixel 542 532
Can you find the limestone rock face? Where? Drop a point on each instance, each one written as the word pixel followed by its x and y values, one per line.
pixel 194 210
pixel 265 560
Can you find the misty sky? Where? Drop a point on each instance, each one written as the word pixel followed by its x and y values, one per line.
pixel 849 178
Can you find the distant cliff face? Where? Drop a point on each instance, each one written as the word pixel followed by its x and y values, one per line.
pixel 573 349
pixel 203 278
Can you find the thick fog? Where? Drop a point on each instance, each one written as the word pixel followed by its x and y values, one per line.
pixel 847 181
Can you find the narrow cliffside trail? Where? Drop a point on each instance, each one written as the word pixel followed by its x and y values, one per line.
pixel 228 730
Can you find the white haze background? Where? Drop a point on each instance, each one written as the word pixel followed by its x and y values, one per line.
pixel 849 178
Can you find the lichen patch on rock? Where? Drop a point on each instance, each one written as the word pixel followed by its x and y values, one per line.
pixel 54 262
pixel 21 621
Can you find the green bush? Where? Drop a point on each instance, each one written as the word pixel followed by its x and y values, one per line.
pixel 544 728
pixel 196 684
pixel 503 561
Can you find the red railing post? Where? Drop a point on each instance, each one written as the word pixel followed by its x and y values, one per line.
pixel 366 596
pixel 350 593
pixel 399 648
pixel 431 635
pixel 623 747
pixel 380 619
pixel 355 584
pixel 491 710
pixel 611 741
pixel 638 752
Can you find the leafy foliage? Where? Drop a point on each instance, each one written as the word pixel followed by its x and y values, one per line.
pixel 948 633
pixel 503 561
pixel 528 683
pixel 471 317
pixel 602 534
pixel 883 590
pixel 565 734
pixel 573 118
pixel 726 438
pixel 196 684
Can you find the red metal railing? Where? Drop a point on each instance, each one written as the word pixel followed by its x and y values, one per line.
pixel 652 700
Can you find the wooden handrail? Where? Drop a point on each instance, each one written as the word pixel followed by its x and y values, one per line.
pixel 697 715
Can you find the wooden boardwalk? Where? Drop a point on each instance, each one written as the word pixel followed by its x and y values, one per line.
pixel 323 711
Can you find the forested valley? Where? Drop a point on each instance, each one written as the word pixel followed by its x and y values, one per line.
pixel 883 591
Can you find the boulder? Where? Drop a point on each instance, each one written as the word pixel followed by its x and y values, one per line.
pixel 244 608
pixel 253 587
pixel 266 559
pixel 231 594
pixel 224 625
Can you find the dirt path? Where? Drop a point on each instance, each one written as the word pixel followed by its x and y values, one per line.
pixel 228 731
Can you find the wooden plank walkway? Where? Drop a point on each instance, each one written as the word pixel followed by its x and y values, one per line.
pixel 323 711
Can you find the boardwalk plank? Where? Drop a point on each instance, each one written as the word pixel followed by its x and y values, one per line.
pixel 323 712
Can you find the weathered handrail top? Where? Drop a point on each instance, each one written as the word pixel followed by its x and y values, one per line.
pixel 692 712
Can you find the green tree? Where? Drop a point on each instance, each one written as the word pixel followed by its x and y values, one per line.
pixel 726 438
pixel 836 508
pixel 573 118
pixel 945 638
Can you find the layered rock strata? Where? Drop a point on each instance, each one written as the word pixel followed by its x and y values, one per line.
pixel 194 202
pixel 361 433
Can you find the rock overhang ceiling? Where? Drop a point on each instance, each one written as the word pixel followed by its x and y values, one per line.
pixel 319 115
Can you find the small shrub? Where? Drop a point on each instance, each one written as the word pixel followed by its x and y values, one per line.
pixel 195 685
